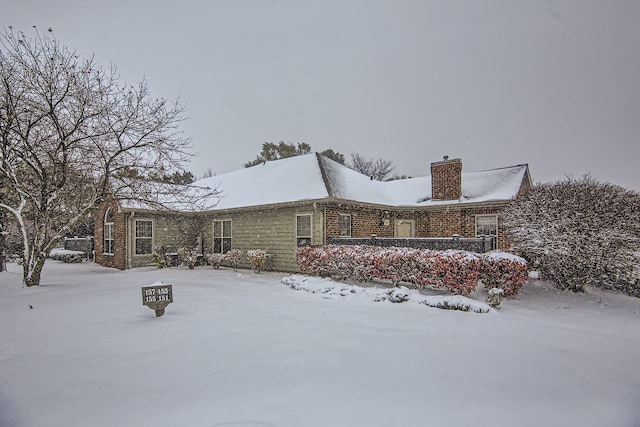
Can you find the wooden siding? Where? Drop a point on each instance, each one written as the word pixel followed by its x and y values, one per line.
pixel 173 230
pixel 271 229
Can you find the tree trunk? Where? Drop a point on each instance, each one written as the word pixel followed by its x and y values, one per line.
pixel 32 271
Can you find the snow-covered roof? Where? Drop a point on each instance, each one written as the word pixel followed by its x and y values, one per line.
pixel 315 177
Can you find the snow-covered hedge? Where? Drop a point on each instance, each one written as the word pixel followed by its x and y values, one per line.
pixel 455 271
pixel 504 271
pixel 66 255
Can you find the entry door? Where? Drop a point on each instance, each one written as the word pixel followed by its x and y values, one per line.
pixel 405 228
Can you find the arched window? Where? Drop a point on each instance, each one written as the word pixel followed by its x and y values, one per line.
pixel 108 232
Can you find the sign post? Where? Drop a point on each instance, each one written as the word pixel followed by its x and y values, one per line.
pixel 157 297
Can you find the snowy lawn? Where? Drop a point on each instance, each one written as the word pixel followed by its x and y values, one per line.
pixel 244 349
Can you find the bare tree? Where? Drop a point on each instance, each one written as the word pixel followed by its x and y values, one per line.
pixel 69 132
pixel 378 169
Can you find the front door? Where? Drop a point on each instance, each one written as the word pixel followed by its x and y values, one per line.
pixel 405 228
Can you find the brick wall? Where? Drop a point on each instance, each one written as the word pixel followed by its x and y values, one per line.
pixel 364 221
pixel 446 179
pixel 119 257
pixel 433 223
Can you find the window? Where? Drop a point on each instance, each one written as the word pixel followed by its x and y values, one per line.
pixel 303 230
pixel 487 225
pixel 108 232
pixel 222 236
pixel 144 237
pixel 344 225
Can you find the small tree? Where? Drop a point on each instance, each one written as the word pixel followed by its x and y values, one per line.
pixel 337 157
pixel 271 151
pixel 378 169
pixel 71 134
pixel 579 232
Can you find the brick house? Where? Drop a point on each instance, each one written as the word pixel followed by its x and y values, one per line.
pixel 283 204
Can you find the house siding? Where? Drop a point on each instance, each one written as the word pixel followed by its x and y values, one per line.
pixel 270 229
pixel 170 229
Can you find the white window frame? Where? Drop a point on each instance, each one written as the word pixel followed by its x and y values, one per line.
pixel 222 237
pixel 108 242
pixel 138 238
pixel 304 239
pixel 342 218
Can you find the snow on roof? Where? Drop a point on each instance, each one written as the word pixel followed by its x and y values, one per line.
pixel 149 195
pixel 287 180
pixel 483 186
pixel 315 177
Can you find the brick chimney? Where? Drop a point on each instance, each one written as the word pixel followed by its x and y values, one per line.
pixel 446 179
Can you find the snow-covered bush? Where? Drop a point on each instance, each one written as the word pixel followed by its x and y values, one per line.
pixel 233 257
pixel 456 271
pixel 188 257
pixel 455 303
pixel 505 271
pixel 335 261
pixel 215 260
pixel 160 257
pixel 396 265
pixel 258 259
pixel 66 255
pixel 579 232
pixel 494 297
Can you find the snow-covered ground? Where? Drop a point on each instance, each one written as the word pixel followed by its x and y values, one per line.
pixel 244 349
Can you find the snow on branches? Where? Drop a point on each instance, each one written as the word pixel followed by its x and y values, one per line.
pixel 578 233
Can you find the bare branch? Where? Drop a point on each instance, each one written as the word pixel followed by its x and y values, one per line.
pixel 68 129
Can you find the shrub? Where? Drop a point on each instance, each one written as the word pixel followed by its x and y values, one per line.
pixel 494 297
pixel 66 255
pixel 396 265
pixel 456 271
pixel 215 260
pixel 579 232
pixel 233 257
pixel 504 271
pixel 335 261
pixel 188 257
pixel 160 257
pixel 258 259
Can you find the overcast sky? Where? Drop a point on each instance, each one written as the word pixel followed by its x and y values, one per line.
pixel 555 84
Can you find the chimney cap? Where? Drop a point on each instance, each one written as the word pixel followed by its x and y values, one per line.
pixel 445 157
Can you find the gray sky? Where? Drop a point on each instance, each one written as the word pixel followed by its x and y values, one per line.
pixel 555 84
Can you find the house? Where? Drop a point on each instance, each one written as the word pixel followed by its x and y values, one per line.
pixel 308 199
